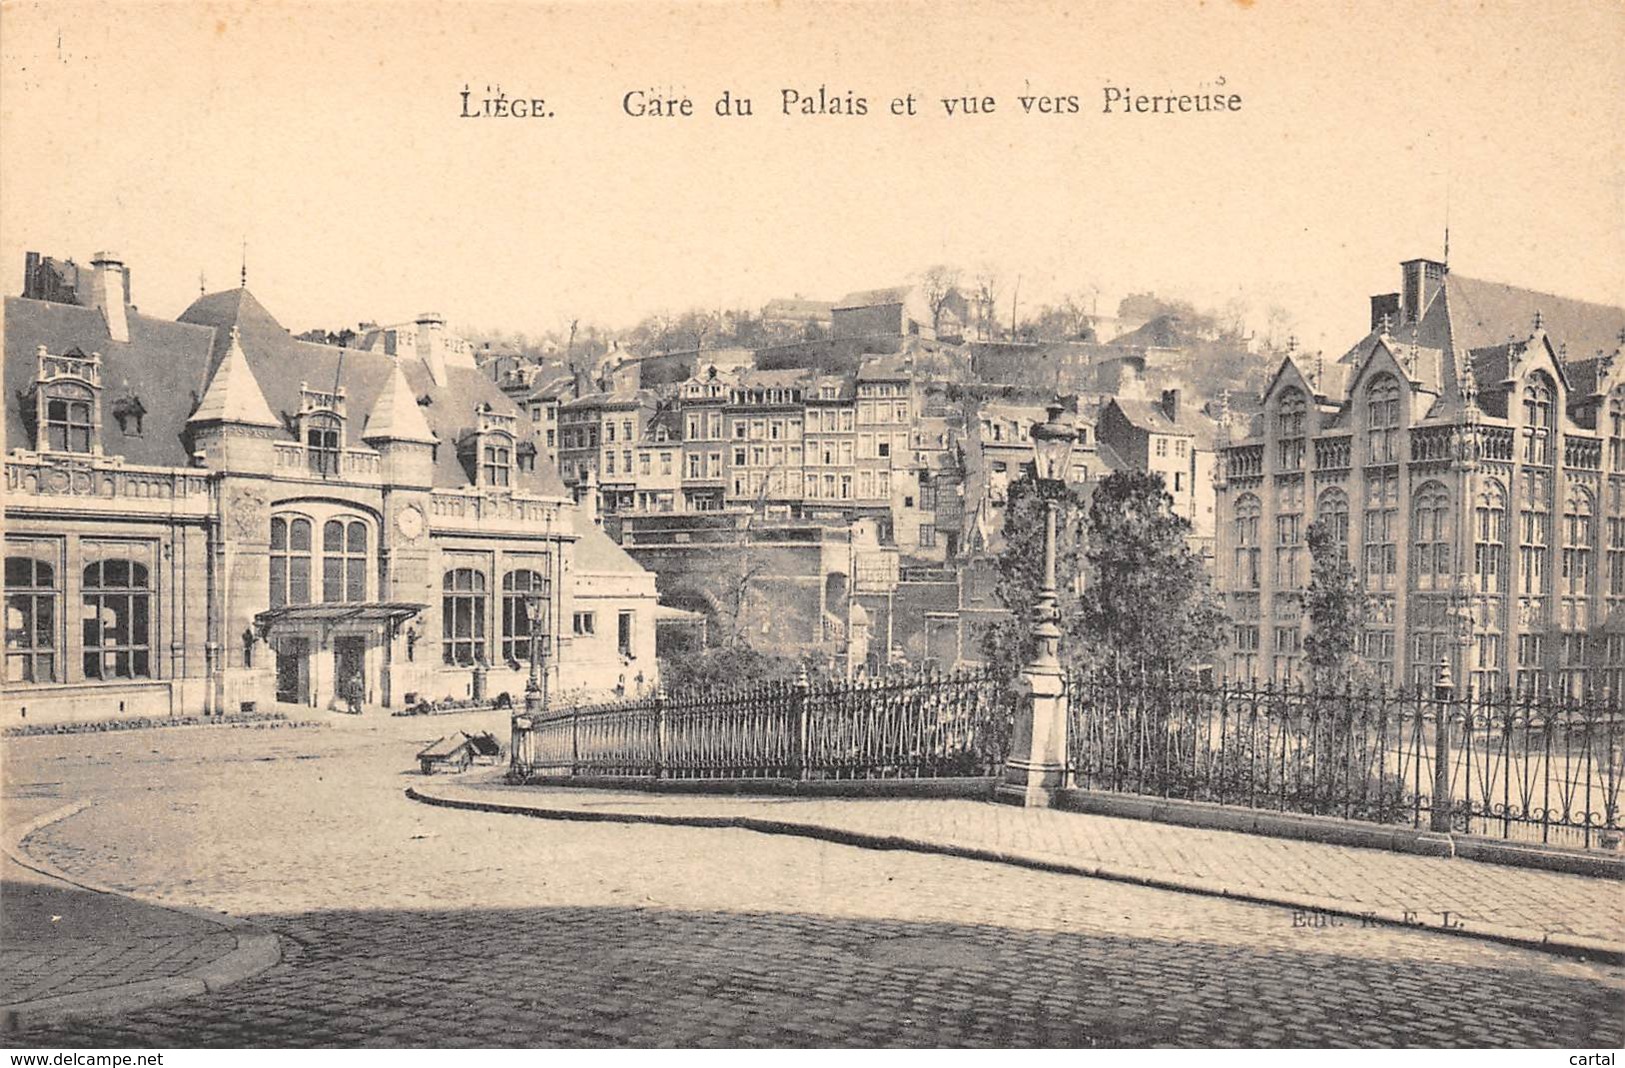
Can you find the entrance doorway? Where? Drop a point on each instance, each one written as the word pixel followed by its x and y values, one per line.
pixel 350 671
pixel 292 666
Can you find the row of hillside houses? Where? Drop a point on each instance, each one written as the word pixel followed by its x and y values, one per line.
pixel 880 443
pixel 207 515
pixel 1469 456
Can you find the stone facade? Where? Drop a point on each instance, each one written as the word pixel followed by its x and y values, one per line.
pixel 1469 454
pixel 212 515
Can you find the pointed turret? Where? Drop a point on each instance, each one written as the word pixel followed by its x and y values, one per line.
pixel 396 415
pixel 234 395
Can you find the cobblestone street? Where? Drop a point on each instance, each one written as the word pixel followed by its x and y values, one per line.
pixel 409 925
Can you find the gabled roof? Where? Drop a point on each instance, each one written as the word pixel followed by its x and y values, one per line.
pixel 165 364
pixel 279 363
pixel 233 396
pixel 1144 415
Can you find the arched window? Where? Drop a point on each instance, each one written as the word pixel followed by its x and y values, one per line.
pixel 1538 403
pixel 1289 418
pixel 1489 538
pixel 32 596
pixel 1577 535
pixel 117 620
pixel 344 560
pixel 518 587
pixel 462 616
pixel 290 560
pixel 1430 538
pixel 1382 420
pixel 1332 512
pixel 1248 512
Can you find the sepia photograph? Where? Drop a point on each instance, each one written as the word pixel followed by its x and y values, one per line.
pixel 727 524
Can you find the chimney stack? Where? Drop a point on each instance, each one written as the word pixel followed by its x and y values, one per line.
pixel 1170 404
pixel 1384 308
pixel 587 496
pixel 110 292
pixel 1422 281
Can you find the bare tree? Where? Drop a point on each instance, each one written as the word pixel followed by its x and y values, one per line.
pixel 938 284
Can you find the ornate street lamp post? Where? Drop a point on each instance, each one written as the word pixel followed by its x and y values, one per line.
pixel 1445 691
pixel 536 685
pixel 1038 763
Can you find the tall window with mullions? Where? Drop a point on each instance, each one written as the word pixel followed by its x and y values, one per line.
pixel 32 596
pixel 290 560
pixel 462 617
pixel 344 561
pixel 518 587
pixel 117 620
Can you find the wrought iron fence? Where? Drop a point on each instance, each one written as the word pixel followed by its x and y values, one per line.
pixel 914 726
pixel 1522 768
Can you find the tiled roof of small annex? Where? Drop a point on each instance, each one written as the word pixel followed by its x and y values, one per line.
pixel 596 552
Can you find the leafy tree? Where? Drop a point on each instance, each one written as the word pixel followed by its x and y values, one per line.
pixel 1149 603
pixel 1008 643
pixel 1337 607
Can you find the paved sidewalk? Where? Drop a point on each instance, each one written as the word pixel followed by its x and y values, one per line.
pixel 1568 913
pixel 70 948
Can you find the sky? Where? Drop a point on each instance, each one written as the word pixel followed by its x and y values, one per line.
pixel 328 138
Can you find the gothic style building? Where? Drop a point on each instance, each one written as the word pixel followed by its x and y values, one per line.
pixel 1469 455
pixel 208 514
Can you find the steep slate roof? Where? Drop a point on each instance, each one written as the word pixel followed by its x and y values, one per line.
pixel 165 364
pixel 1486 313
pixel 280 363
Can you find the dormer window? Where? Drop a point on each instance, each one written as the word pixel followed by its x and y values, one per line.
pixel 488 451
pixel 67 390
pixel 321 428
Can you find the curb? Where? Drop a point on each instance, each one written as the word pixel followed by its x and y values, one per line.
pixel 1333 831
pixel 257 949
pixel 1566 945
